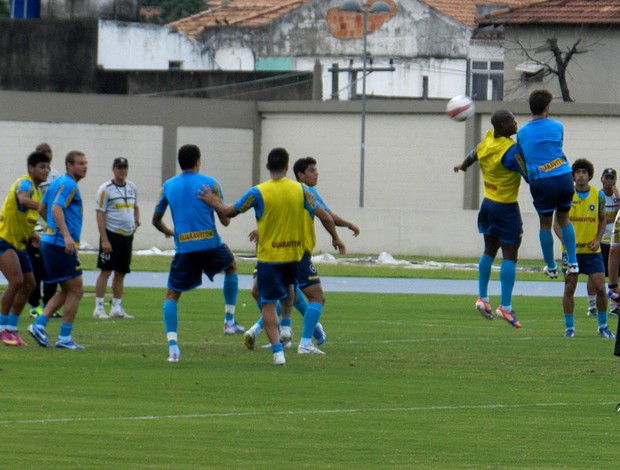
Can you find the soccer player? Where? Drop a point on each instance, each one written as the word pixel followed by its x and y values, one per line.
pixel 550 178
pixel 17 222
pixel 63 209
pixel 280 205
pixel 198 246
pixel 499 219
pixel 611 195
pixel 33 251
pixel 306 172
pixel 118 217
pixel 588 216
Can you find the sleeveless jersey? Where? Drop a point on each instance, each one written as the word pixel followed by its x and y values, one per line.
pixel 310 234
pixel 584 214
pixel 500 183
pixel 16 221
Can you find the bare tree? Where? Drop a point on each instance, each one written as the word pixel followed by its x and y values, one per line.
pixel 553 60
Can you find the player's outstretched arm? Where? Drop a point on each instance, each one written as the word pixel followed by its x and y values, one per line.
pixel 330 226
pixel 340 222
pixel 225 210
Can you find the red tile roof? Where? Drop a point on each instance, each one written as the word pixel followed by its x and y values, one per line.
pixel 236 12
pixel 567 12
pixel 464 11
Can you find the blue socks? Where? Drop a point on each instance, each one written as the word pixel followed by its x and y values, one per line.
pixel 569 321
pixel 484 274
pixel 311 318
pixel 546 244
pixel 568 236
pixel 602 319
pixel 171 321
pixel 507 276
pixel 231 289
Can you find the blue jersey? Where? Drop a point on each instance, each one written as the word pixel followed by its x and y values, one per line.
pixel 317 197
pixel 194 221
pixel 541 141
pixel 63 192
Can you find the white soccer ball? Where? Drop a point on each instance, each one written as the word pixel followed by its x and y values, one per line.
pixel 460 108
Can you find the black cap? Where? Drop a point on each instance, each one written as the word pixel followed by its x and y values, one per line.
pixel 120 162
pixel 609 172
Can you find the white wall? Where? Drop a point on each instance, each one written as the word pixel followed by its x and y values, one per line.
pixel 141 46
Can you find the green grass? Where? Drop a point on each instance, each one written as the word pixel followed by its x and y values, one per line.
pixel 161 263
pixel 409 381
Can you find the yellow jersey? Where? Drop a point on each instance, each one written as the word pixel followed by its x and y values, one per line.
pixel 584 214
pixel 17 222
pixel 500 183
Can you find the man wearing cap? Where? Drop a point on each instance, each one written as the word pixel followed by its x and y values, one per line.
pixel 118 217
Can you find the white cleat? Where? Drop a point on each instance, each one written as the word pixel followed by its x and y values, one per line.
pixel 551 272
pixel 174 357
pixel 119 313
pixel 100 314
pixel 309 350
pixel 278 359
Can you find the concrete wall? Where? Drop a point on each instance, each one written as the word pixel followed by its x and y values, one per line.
pixel 414 203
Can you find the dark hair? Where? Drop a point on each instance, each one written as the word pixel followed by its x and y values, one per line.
pixel 583 164
pixel 302 165
pixel 539 100
pixel 499 117
pixel 43 147
pixel 188 156
pixel 277 160
pixel 38 157
pixel 70 158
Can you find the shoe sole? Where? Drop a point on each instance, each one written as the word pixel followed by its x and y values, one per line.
pixel 249 341
pixel 316 352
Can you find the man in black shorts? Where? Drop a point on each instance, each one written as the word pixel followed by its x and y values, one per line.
pixel 118 217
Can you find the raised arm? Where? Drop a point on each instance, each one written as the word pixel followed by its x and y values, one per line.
pixel 223 210
pixel 330 226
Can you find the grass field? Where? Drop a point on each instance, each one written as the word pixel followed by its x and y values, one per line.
pixel 408 381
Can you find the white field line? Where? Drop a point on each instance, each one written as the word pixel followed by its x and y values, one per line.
pixel 305 412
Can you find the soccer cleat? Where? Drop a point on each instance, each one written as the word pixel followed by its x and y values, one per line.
pixel 119 313
pixel 7 338
pixel 174 357
pixel 308 350
pixel 249 339
pixel 100 313
pixel 569 333
pixel 20 341
pixel 614 311
pixel 36 311
pixel 68 344
pixel 592 312
pixel 278 358
pixel 319 334
pixel 605 333
pixel 510 317
pixel 38 333
pixel 285 335
pixel 484 308
pixel 551 272
pixel 233 329
pixel 572 269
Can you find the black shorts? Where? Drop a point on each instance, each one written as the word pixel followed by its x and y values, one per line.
pixel 120 258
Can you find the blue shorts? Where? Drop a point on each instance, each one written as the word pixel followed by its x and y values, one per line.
pixel 501 221
pixel 306 272
pixel 589 263
pixel 22 256
pixel 186 268
pixel 58 265
pixel 551 194
pixel 273 280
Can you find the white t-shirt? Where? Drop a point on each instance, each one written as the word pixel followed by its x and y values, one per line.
pixel 118 204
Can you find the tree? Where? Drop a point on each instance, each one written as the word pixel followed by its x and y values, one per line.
pixel 4 9
pixel 553 60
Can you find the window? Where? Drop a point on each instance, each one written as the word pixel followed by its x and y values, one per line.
pixel 487 80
